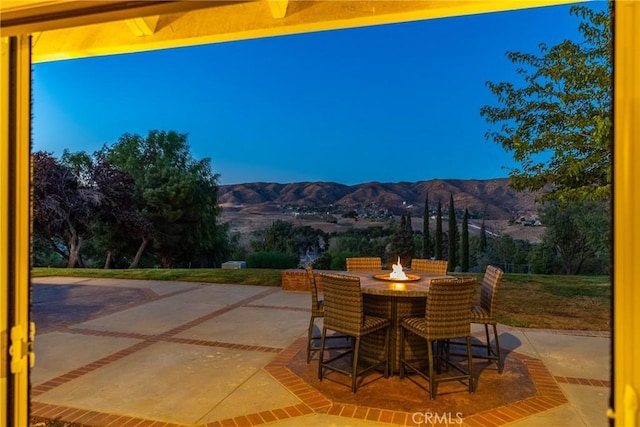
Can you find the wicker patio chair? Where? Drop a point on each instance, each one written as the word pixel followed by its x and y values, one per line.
pixel 486 313
pixel 343 313
pixel 421 265
pixel 447 317
pixel 317 311
pixel 364 263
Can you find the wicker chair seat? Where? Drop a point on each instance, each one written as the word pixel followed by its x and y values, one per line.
pixel 422 328
pixel 372 324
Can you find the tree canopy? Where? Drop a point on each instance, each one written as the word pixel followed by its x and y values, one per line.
pixel 175 193
pixel 63 207
pixel 558 122
pixel 284 236
pixel 139 193
pixel 578 234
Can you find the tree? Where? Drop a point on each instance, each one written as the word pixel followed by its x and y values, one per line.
pixel 483 236
pixel 439 231
pixel 558 125
pixel 426 243
pixel 579 233
pixel 452 236
pixel 402 244
pixel 368 241
pixel 464 242
pixel 118 220
pixel 63 207
pixel 509 254
pixel 283 236
pixel 177 194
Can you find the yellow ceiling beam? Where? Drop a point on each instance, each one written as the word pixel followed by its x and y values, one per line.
pixel 278 8
pixel 113 27
pixel 25 17
pixel 141 27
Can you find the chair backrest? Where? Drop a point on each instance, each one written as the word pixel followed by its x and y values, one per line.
pixel 343 309
pixel 421 265
pixel 364 263
pixel 489 290
pixel 313 287
pixel 448 313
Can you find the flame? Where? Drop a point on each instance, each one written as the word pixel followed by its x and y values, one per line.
pixel 397 272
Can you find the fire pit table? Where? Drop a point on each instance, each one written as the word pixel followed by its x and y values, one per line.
pixel 393 299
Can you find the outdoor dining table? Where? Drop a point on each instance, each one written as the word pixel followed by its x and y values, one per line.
pixel 393 300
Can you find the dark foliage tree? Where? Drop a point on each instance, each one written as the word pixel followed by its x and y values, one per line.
pixel 283 236
pixel 452 236
pixel 509 254
pixel 368 241
pixel 402 244
pixel 438 248
pixel 464 242
pixel 543 259
pixel 558 123
pixel 483 236
pixel 118 219
pixel 426 239
pixel 63 207
pixel 579 233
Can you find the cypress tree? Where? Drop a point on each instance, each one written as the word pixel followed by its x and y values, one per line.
pixel 396 241
pixel 464 242
pixel 402 244
pixel 409 247
pixel 483 237
pixel 426 244
pixel 453 236
pixel 439 231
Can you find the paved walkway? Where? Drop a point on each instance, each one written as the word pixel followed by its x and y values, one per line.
pixel 148 353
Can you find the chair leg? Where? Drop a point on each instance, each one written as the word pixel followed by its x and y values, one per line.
pixel 432 385
pixel 486 333
pixel 321 358
pixel 354 365
pixel 310 338
pixel 401 358
pixel 470 366
pixel 497 344
pixel 386 352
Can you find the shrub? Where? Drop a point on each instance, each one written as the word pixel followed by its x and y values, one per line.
pixel 277 260
pixel 323 262
pixel 339 260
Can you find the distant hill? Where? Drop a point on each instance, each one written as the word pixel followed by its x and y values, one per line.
pixel 493 197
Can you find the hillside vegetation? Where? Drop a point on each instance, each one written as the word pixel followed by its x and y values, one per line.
pixel 492 198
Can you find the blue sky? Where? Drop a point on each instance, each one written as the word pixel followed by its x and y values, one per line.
pixel 388 103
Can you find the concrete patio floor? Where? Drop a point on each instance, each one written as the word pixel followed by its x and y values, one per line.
pixel 148 353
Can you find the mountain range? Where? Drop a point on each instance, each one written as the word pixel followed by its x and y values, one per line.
pixel 492 198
